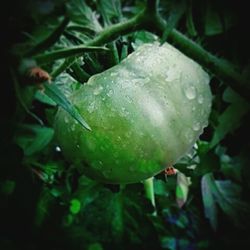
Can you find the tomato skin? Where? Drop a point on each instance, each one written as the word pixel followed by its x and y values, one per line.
pixel 145 113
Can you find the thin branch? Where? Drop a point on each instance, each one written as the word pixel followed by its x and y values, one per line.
pixel 149 19
pixel 219 67
pixel 112 32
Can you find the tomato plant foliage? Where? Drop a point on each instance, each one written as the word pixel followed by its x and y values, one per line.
pixel 116 70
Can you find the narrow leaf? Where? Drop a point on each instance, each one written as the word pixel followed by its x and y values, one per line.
pixel 190 22
pixel 177 11
pixel 79 74
pixel 182 189
pixel 33 138
pixel 64 53
pixel 62 67
pixel 59 98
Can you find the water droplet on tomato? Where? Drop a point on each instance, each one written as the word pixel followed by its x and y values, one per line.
pixel 205 124
pixel 189 136
pixel 190 92
pixel 97 90
pixel 200 99
pixel 91 107
pixel 129 99
pixel 110 93
pixel 114 74
pixel 196 126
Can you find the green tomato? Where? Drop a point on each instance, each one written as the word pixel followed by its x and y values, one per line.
pixel 145 113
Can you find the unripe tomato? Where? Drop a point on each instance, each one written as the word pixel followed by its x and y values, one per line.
pixel 145 113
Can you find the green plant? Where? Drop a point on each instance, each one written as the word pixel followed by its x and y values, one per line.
pixel 145 113
pixel 56 50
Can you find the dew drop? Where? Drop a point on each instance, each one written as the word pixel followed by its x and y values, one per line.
pixel 128 135
pixel 124 112
pixel 110 93
pixel 171 75
pixel 190 92
pixel 129 99
pixel 97 90
pixel 189 136
pixel 200 99
pixel 91 107
pixel 77 145
pixel 205 124
pixel 73 127
pixel 196 126
pixel 114 74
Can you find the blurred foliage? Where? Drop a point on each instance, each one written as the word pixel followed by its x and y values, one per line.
pixel 47 204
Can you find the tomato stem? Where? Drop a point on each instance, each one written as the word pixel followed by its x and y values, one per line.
pixel 149 191
pixel 150 19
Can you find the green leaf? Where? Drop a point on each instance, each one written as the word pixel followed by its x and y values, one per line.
pixel 216 20
pixel 213 24
pixel 110 217
pixel 231 118
pixel 33 138
pixel 80 13
pixel 110 10
pixel 63 66
pixel 95 246
pixel 75 206
pixel 178 8
pixel 160 188
pixel 190 22
pixel 228 197
pixel 80 74
pixel 59 98
pixel 142 37
pixel 226 194
pixel 40 96
pixel 50 40
pixel 44 203
pixel 7 187
pixel 64 53
pixel 209 203
pixel 182 189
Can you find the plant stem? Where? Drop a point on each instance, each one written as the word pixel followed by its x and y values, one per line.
pixel 112 32
pixel 150 19
pixel 219 67
pixel 149 191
